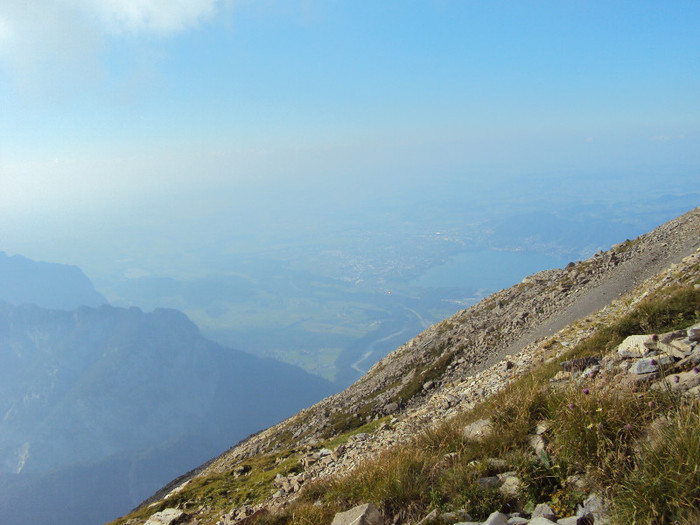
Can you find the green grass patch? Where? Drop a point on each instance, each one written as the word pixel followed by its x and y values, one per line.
pixel 662 485
pixel 431 372
pixel 367 428
pixel 221 492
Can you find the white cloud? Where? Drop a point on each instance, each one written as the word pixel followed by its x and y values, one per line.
pixel 54 44
pixel 149 16
pixel 44 42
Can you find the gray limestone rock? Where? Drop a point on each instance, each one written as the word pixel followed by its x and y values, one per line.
pixel 539 520
pixel 636 346
pixel 671 336
pixel 679 382
pixel 694 333
pixel 496 463
pixel 544 511
pixel 390 408
pixel 675 344
pixel 477 430
pixel 454 517
pixel 489 482
pixel 366 514
pixel 537 443
pixel 164 517
pixel 678 349
pixel 542 428
pixel 648 365
pixel 511 486
pixel 593 507
pixel 497 518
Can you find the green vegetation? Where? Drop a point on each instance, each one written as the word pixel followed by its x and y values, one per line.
pixel 623 247
pixel 250 483
pixel 367 428
pixel 222 491
pixel 430 372
pixel 667 468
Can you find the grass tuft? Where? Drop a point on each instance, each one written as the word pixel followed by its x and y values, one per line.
pixel 662 485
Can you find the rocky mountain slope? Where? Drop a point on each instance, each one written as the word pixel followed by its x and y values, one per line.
pixel 448 369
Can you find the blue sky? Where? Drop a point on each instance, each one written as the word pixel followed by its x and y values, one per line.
pixel 108 107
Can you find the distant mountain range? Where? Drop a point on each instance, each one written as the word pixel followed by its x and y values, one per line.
pixel 100 401
pixel 50 285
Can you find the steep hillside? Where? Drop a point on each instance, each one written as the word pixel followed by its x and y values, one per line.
pixel 444 372
pixel 49 285
pixel 119 401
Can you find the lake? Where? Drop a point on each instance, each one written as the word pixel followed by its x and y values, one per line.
pixel 488 269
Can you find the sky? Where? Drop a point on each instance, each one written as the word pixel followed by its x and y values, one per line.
pixel 128 111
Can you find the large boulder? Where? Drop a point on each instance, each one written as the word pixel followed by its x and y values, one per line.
pixel 366 514
pixel 636 346
pixel 165 517
pixel 497 518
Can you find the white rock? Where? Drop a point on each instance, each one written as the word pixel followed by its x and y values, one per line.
pixel 477 430
pixel 541 521
pixel 543 511
pixel 497 518
pixel 636 346
pixel 366 514
pixel 164 517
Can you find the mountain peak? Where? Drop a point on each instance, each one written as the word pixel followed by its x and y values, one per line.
pixel 49 285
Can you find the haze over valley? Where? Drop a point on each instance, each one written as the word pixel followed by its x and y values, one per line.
pixel 333 284
pixel 214 212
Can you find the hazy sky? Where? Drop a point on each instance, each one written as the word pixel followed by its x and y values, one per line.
pixel 110 108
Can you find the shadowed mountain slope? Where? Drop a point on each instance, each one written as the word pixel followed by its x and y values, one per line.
pixel 125 397
pixel 49 285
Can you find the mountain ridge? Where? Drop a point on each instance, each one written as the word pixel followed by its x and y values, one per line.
pixel 415 384
pixel 49 285
pixel 80 388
